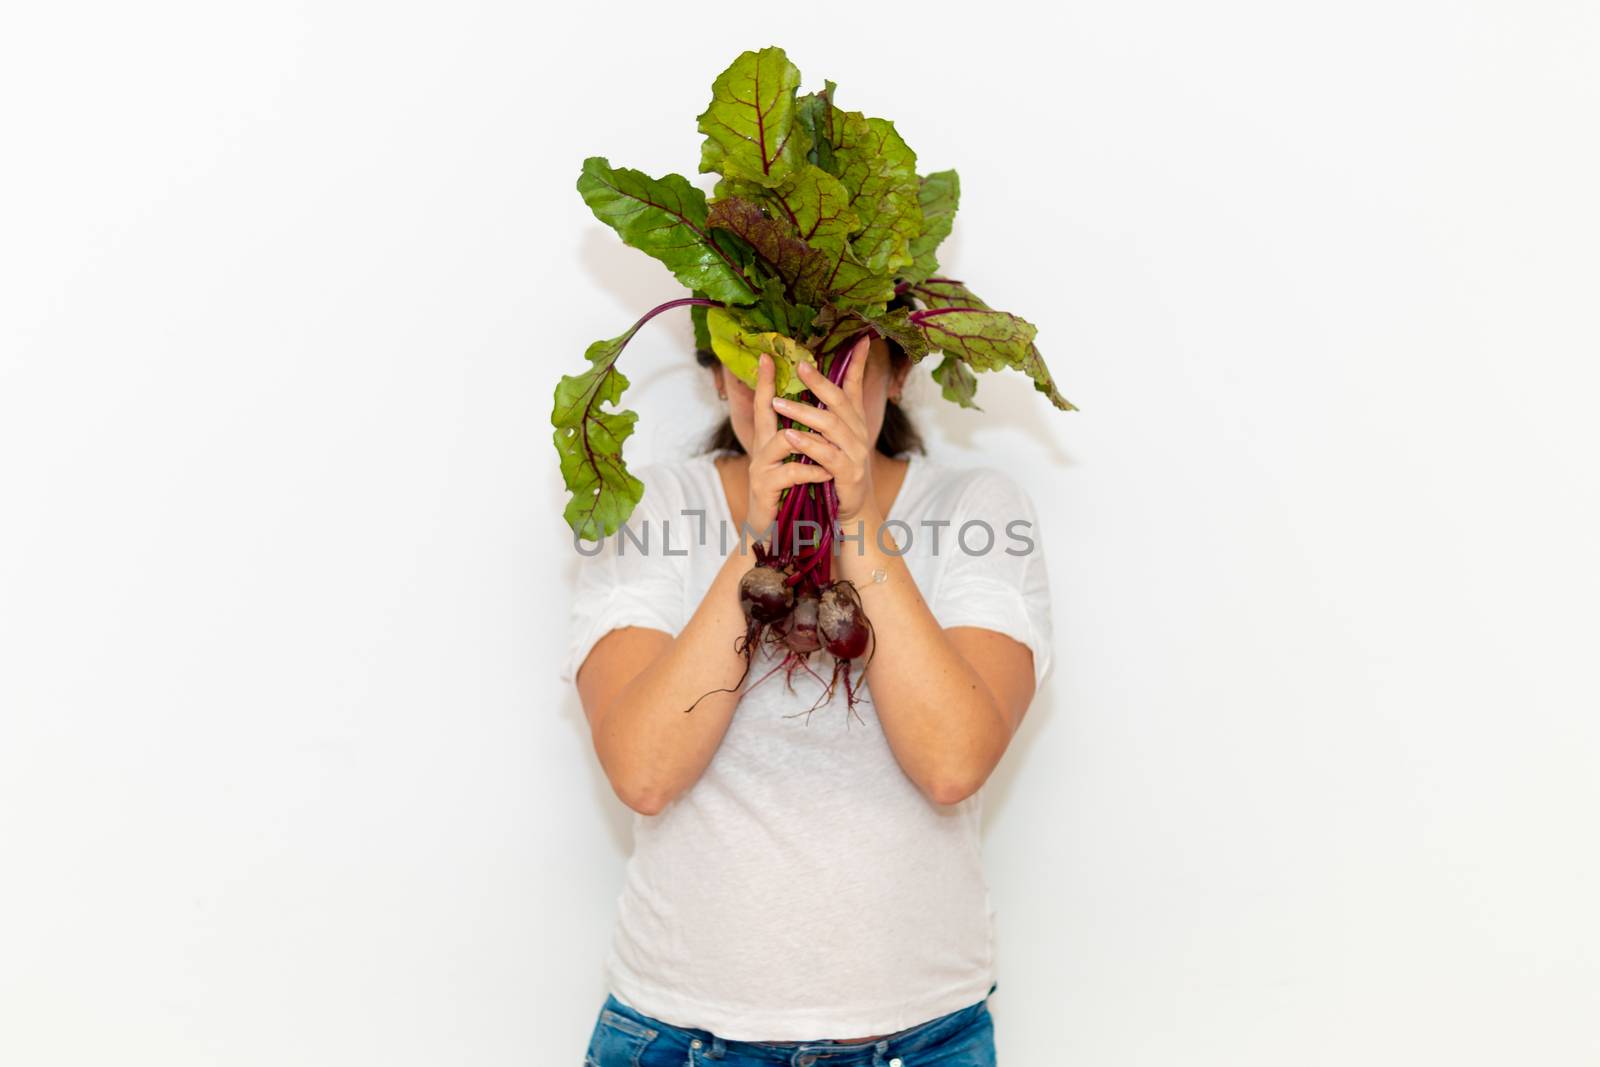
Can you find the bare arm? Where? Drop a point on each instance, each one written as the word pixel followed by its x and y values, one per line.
pixel 949 700
pixel 637 682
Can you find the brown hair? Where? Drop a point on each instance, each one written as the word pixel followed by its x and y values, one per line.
pixel 898 434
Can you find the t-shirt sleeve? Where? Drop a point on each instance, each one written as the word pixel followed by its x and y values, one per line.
pixel 627 580
pixel 1006 588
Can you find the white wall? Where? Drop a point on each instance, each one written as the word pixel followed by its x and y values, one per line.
pixel 286 775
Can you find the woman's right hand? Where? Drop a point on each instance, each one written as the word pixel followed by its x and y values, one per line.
pixel 770 473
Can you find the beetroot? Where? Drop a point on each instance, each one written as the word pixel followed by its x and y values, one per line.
pixel 799 630
pixel 764 595
pixel 843 624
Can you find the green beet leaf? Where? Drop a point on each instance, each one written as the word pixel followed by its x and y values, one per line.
pixel 879 172
pixel 773 312
pixel 835 326
pixel 814 111
pixel 985 339
pixel 740 349
pixel 810 203
pixel 1033 366
pixel 805 271
pixel 938 197
pixel 589 441
pixel 749 126
pixel 956 383
pixel 811 275
pixel 946 293
pixel 665 217
pixel 982 338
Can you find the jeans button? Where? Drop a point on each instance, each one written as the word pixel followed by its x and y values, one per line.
pixel 695 1043
pixel 895 1062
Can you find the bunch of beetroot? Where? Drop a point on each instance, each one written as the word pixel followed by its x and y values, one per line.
pixel 799 613
pixel 791 602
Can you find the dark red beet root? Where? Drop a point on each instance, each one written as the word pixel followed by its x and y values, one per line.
pixel 764 595
pixel 800 628
pixel 842 622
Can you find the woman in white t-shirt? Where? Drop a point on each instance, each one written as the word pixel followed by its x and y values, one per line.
pixel 807 884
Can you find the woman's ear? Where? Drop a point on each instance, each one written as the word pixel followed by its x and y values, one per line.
pixel 897 380
pixel 722 388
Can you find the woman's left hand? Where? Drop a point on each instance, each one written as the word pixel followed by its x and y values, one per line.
pixel 839 444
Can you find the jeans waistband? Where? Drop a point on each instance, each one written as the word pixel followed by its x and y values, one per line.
pixel 821 1053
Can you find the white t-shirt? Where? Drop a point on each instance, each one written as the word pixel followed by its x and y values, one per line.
pixel 804 888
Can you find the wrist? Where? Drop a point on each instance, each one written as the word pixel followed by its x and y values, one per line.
pixel 862 540
pixel 868 519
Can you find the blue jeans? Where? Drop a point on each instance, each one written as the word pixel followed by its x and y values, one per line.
pixel 624 1037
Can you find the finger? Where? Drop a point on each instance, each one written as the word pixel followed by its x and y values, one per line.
pixel 818 448
pixel 856 373
pixel 828 393
pixel 771 452
pixel 765 420
pixel 827 423
pixel 789 474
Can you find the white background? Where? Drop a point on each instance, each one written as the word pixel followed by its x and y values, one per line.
pixel 286 773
